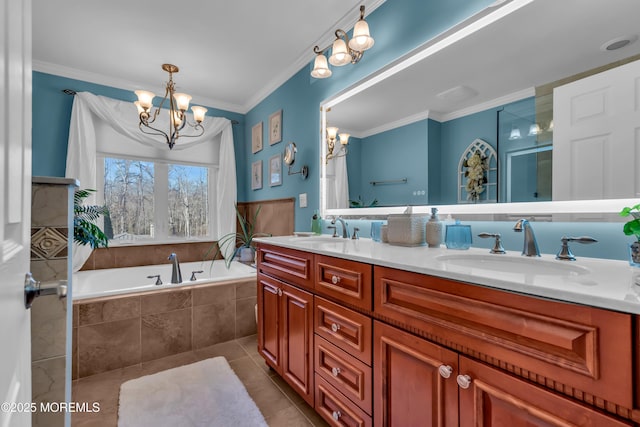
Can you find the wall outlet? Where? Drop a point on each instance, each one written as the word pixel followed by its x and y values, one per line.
pixel 302 199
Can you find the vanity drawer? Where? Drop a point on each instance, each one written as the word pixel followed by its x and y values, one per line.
pixel 347 281
pixel 336 409
pixel 289 265
pixel 344 328
pixel 347 374
pixel 578 350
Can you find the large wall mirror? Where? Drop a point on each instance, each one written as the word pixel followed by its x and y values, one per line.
pixel 494 78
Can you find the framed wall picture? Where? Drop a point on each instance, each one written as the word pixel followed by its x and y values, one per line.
pixel 275 127
pixel 256 138
pixel 256 175
pixel 275 170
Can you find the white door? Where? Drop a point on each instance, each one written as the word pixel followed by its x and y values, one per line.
pixel 596 136
pixel 15 211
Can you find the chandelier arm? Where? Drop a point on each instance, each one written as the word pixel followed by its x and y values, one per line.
pixel 319 51
pixel 158 132
pixel 199 127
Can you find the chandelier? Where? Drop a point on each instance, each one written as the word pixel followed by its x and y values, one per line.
pixel 332 138
pixel 343 49
pixel 178 106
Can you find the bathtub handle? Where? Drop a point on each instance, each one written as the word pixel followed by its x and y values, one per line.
pixel 157 277
pixel 193 275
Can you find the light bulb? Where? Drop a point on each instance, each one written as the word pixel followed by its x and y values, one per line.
pixel 339 55
pixel 145 98
pixel 198 113
pixel 182 101
pixel 344 138
pixel 320 67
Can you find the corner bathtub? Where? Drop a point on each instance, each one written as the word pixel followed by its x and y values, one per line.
pixel 121 318
pixel 119 281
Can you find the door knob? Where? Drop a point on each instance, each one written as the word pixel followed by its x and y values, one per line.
pixel 464 381
pixel 445 371
pixel 33 289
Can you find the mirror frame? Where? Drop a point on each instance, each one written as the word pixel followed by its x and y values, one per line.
pixel 567 210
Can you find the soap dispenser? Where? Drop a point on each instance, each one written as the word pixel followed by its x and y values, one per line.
pixel 434 230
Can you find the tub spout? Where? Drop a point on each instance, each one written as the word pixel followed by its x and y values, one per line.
pixel 176 275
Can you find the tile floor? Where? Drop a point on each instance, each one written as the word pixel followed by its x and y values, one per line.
pixel 279 404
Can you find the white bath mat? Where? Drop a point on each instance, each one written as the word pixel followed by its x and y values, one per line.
pixel 206 393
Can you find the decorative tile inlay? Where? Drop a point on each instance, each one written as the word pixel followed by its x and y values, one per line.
pixel 48 243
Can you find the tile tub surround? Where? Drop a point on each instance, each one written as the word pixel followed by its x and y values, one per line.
pixel 115 332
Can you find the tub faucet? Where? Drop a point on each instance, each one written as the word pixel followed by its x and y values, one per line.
pixel 530 247
pixel 176 275
pixel 345 229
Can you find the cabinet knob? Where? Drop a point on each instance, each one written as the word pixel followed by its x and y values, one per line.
pixel 445 371
pixel 279 292
pixel 336 415
pixel 335 279
pixel 335 327
pixel 335 371
pixel 464 381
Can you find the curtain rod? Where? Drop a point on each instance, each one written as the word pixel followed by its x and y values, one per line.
pixel 73 92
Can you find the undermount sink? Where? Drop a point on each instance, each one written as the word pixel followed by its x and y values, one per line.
pixel 513 264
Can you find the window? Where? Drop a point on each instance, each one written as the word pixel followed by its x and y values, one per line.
pixel 155 201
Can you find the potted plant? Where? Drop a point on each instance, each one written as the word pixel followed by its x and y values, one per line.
pixel 242 240
pixel 85 230
pixel 632 228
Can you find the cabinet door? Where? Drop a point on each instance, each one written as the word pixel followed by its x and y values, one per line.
pixel 409 388
pixel 296 318
pixel 492 398
pixel 268 320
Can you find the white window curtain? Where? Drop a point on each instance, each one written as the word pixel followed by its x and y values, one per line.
pixel 123 118
pixel 337 183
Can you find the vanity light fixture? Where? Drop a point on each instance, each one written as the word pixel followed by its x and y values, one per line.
pixel 534 129
pixel 332 138
pixel 178 106
pixel 515 133
pixel 343 50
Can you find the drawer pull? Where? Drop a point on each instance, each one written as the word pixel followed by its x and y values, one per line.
pixel 279 292
pixel 335 327
pixel 445 371
pixel 335 371
pixel 336 415
pixel 464 381
pixel 335 279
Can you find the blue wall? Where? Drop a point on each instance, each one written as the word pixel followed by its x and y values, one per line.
pixel 392 155
pixel 52 112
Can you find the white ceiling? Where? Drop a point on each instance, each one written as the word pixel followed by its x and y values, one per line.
pixel 542 42
pixel 231 53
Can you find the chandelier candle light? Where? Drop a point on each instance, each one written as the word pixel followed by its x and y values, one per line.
pixel 178 106
pixel 343 49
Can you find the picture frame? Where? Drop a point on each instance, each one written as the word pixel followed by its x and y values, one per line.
pixel 256 175
pixel 275 170
pixel 275 127
pixel 256 138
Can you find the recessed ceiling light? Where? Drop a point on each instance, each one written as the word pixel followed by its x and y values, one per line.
pixel 618 42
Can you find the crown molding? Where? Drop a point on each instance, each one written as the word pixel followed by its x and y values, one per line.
pixel 506 99
pixel 102 79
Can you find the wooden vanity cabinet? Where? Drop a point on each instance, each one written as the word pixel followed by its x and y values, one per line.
pixel 285 332
pixel 436 352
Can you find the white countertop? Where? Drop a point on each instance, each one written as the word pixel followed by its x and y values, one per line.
pixel 589 281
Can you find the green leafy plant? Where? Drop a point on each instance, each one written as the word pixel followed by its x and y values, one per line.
pixel 242 238
pixel 362 204
pixel 632 227
pixel 85 231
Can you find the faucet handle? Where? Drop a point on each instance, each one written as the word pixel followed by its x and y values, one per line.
pixel 157 277
pixel 355 233
pixel 193 275
pixel 335 232
pixel 497 246
pixel 565 253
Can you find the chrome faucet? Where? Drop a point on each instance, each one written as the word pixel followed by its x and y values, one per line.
pixel 176 275
pixel 530 244
pixel 345 229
